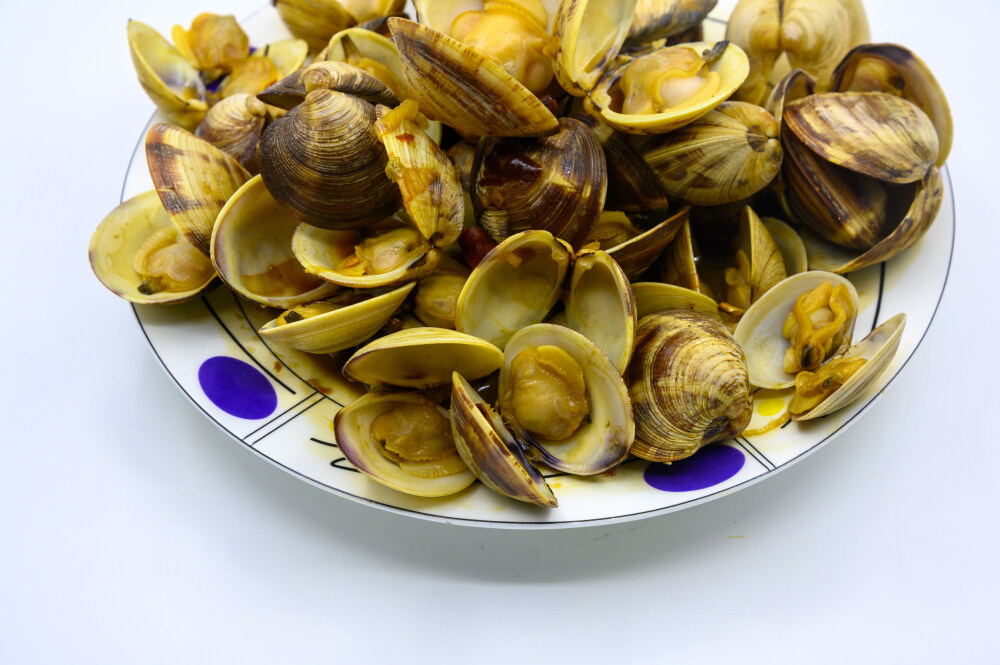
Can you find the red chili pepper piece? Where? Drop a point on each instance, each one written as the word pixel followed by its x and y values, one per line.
pixel 475 245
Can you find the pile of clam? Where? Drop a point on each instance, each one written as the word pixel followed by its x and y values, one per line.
pixel 546 235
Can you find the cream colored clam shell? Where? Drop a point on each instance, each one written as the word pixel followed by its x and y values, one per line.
pixel 603 441
pixel 117 239
pixel 166 76
pixel 352 425
pixel 251 250
pixel 339 329
pixel 789 243
pixel 590 34
pixel 600 306
pixel 759 330
pixel 653 297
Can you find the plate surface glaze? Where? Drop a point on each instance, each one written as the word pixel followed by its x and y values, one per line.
pixel 280 403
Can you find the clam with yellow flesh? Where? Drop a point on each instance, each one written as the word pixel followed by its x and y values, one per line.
pixel 323 161
pixel 461 87
pixel 514 286
pixel 589 34
pixel 139 255
pixel 727 155
pixel 556 183
pixel 815 35
pixel 252 251
pixel 758 265
pixel 166 76
pixel 370 52
pixel 634 249
pixel 798 325
pixel 436 302
pixel 843 379
pixel 600 305
pixel 490 450
pixel 193 178
pixel 390 252
pixel 562 395
pixel 422 358
pixel 688 383
pixel 664 90
pixel 428 181
pixel 234 125
pixel 214 44
pixel 403 441
pixel 340 322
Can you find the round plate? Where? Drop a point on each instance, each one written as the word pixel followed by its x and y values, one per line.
pixel 280 403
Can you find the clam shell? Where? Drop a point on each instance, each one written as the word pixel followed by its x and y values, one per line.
pixel 556 183
pixel 767 266
pixel 724 156
pixel 789 243
pixel 171 82
pixel 878 349
pixel 604 440
pixel 356 44
pixel 872 133
pixel 315 21
pixel 795 85
pixel 652 297
pixel 327 75
pixel 678 264
pixel 251 250
pixel 514 286
pixel 589 33
pixel 422 358
pixel 635 256
pixel 234 126
pixel 340 329
pixel 896 69
pixel 193 178
pixel 288 55
pixel 658 19
pixel 352 425
pixel 688 383
pixel 600 306
pixel 119 237
pixel 489 450
pixel 459 86
pixel 759 330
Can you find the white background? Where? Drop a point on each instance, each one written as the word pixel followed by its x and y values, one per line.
pixel 134 531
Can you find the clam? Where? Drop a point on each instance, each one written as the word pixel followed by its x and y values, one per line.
pixel 341 322
pixel 193 178
pixel 403 441
pixel 815 35
pixel 252 251
pixel 600 305
pixel 166 76
pixel 759 265
pixel 800 323
pixel 679 263
pixel 428 181
pixel 314 21
pixel 460 86
pixel 249 76
pixel 688 383
pixel 328 75
pixel 563 396
pixel 841 381
pixel 324 162
pixel 372 53
pixel 490 451
pixel 556 183
pixel 368 10
pixel 387 253
pixel 234 125
pixel 436 302
pixel 727 155
pixel 790 244
pixel 897 70
pixel 139 255
pixel 214 44
pixel 664 90
pixel 287 55
pixel 652 297
pixel 589 34
pixel 659 19
pixel 422 358
pixel 633 249
pixel 514 286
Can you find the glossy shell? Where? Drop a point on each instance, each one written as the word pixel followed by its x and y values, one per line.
pixel 600 306
pixel 166 76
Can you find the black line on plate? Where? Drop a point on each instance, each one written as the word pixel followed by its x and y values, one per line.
pixel 243 348
pixel 323 443
pixel 755 453
pixel 881 284
pixel 336 464
pixel 281 415
pixel 294 416
pixel 239 304
pixel 787 423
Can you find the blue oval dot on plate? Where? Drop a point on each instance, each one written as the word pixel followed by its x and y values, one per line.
pixel 238 388
pixel 709 466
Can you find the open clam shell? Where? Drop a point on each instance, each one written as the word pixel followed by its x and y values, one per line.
pixel 234 125
pixel 659 19
pixel 385 254
pixel 422 358
pixel 514 286
pixel 373 53
pixel 463 88
pixel 166 76
pixel 314 21
pixel 121 237
pixel 759 263
pixel 349 325
pixel 600 306
pixel 589 33
pixel 489 450
pixel 651 297
pixel 635 255
pixel 252 251
pixel 327 75
pixel 679 262
pixel 193 178
pixel 603 441
pixel 432 478
pixel 759 332
pixel 789 243
pixel 878 350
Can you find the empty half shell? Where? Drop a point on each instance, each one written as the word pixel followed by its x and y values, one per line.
pixel 600 306
pixel 166 76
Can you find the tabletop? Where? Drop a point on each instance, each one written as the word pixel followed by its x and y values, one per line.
pixel 138 532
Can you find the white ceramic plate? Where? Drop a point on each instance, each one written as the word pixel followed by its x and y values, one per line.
pixel 280 403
